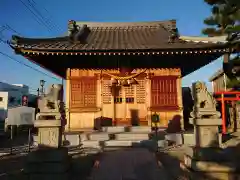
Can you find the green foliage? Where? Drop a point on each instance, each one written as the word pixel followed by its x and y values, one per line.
pixel 233 83
pixel 225 17
pixel 236 60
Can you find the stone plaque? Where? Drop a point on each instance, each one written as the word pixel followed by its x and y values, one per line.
pixel 49 137
pixel 208 136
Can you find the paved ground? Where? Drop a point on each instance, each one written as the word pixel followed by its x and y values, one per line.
pixel 131 164
pixel 11 166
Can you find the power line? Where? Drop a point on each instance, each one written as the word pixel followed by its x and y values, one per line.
pixel 39 14
pixel 10 57
pixel 8 27
pixel 3 28
pixel 24 64
pixel 39 20
pixel 47 20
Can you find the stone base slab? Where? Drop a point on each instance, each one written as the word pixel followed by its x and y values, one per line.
pixel 62 176
pixel 48 155
pixel 46 164
pixel 212 170
pixel 207 154
pixel 209 166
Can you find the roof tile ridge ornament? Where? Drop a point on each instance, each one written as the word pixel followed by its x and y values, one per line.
pixel 77 33
pixel 174 36
pixel 14 40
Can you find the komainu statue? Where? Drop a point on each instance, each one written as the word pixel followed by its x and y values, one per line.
pixel 204 102
pixel 52 102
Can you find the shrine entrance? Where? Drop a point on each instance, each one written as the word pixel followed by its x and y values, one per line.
pixel 124 100
pixel 129 104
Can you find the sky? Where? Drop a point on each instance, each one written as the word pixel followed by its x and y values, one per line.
pixel 17 14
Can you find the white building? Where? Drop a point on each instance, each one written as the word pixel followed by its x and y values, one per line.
pixel 11 96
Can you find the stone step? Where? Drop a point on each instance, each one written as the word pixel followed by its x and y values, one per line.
pixel 122 143
pixel 98 136
pixel 72 139
pixel 90 144
pixel 209 166
pixel 76 139
pixel 131 136
pixel 140 129
pixel 114 129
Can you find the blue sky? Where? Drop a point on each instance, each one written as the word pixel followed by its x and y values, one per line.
pixel 188 13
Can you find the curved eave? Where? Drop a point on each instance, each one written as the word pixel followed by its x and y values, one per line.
pixel 122 52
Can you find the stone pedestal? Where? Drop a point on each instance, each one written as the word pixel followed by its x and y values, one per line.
pixel 207 156
pixel 48 164
pixel 49 133
pixel 206 132
pixel 50 161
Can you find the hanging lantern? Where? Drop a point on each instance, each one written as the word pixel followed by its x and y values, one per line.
pixel 133 81
pixel 114 81
pixel 124 83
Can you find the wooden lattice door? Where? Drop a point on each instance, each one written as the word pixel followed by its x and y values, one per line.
pixel 83 93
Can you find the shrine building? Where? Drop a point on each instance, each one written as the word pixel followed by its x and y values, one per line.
pixel 122 71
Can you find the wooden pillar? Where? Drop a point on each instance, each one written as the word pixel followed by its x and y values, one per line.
pixel 68 99
pixel 180 100
pixel 148 97
pixel 226 57
pixel 99 95
pixel 113 105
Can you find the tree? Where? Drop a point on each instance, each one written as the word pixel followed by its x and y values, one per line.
pixel 225 18
pixel 232 70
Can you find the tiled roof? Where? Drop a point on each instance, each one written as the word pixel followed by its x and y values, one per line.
pixel 117 37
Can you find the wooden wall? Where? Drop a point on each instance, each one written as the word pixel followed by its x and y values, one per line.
pixel 89 96
pixel 220 83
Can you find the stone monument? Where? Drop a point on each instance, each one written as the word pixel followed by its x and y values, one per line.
pixel 205 117
pixel 49 120
pixel 206 154
pixel 50 161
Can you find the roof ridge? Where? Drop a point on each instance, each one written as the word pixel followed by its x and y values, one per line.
pixel 126 24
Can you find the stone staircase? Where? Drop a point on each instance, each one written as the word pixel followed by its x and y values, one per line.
pixel 115 137
pixel 110 138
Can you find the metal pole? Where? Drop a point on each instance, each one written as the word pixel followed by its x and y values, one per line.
pixel 223 115
pixel 29 139
pixel 11 140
